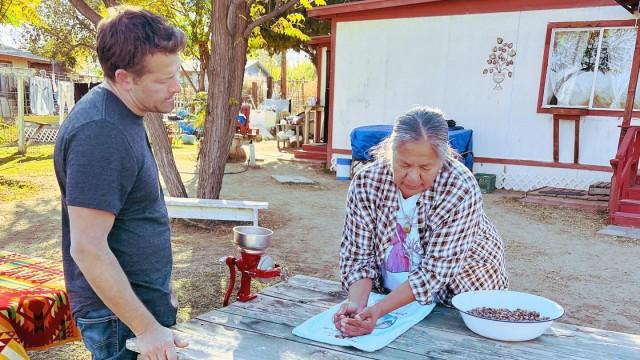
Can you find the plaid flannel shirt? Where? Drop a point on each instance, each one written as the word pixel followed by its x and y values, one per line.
pixel 462 251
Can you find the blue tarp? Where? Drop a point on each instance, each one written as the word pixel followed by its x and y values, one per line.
pixel 364 138
pixel 186 127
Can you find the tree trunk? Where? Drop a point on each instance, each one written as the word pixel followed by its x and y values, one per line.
pixel 226 73
pixel 205 56
pixel 201 80
pixel 163 154
pixel 283 75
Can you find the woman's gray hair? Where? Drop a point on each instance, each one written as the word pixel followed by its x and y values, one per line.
pixel 418 124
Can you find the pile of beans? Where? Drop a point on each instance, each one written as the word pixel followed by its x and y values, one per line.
pixel 506 314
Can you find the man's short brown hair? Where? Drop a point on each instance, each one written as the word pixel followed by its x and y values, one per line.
pixel 129 34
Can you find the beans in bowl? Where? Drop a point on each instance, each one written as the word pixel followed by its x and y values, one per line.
pixel 517 315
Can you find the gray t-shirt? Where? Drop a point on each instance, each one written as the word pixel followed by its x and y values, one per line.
pixel 103 161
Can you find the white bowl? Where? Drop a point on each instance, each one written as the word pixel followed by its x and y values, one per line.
pixel 506 330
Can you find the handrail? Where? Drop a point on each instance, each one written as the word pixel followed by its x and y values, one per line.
pixel 623 164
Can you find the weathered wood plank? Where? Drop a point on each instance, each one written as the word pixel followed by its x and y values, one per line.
pixel 440 341
pixel 434 345
pixel 283 331
pixel 448 318
pixel 566 341
pixel 261 329
pixel 212 341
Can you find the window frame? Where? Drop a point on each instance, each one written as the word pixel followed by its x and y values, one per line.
pixel 545 64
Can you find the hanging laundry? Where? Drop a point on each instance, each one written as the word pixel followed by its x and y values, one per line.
pixel 5 109
pixel 7 83
pixel 41 96
pixel 66 98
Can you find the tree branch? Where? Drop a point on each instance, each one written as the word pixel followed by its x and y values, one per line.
pixel 111 3
pixel 186 74
pixel 84 45
pixel 5 10
pixel 269 16
pixel 86 10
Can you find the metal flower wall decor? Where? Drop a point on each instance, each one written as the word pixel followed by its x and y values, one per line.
pixel 500 61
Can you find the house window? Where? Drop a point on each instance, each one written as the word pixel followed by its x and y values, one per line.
pixel 588 69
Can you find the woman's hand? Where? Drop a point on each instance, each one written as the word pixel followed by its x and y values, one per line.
pixel 347 310
pixel 362 323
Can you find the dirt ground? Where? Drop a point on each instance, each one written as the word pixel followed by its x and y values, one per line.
pixel 553 252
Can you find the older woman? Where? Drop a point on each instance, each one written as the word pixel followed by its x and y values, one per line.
pixel 415 227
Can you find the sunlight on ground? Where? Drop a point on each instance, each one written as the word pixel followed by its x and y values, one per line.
pixel 17 172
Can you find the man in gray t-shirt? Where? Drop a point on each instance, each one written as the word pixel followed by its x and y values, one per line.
pixel 116 240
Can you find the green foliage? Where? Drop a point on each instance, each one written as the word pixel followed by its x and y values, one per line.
pixel 294 32
pixel 193 17
pixel 302 71
pixel 66 35
pixel 16 12
pixel 63 35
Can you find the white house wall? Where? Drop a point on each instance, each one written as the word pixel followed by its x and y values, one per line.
pixel 385 67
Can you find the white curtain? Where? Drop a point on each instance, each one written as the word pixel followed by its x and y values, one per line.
pixel 570 85
pixel 616 56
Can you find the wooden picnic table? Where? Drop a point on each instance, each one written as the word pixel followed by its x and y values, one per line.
pixel 261 329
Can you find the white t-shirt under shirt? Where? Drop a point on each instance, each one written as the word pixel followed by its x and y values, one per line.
pixel 405 253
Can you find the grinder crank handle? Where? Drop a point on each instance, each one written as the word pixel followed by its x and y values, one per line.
pixel 231 263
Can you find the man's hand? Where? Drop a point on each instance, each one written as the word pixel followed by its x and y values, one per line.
pixel 362 323
pixel 347 310
pixel 159 343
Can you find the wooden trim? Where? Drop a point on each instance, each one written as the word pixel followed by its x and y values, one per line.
pixel 545 63
pixel 534 163
pixel 631 90
pixel 341 9
pixel 390 9
pixel 556 135
pixel 587 24
pixel 13 58
pixel 543 72
pixel 341 151
pixel 559 165
pixel 556 139
pixel 332 86
pixel 576 141
pixel 319 41
pixel 583 112
pixel 543 75
pixel 319 64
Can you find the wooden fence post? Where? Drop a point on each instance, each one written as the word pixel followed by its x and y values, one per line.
pixel 22 145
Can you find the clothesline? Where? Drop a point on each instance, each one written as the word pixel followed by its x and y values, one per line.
pixel 29 72
pixel 44 93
